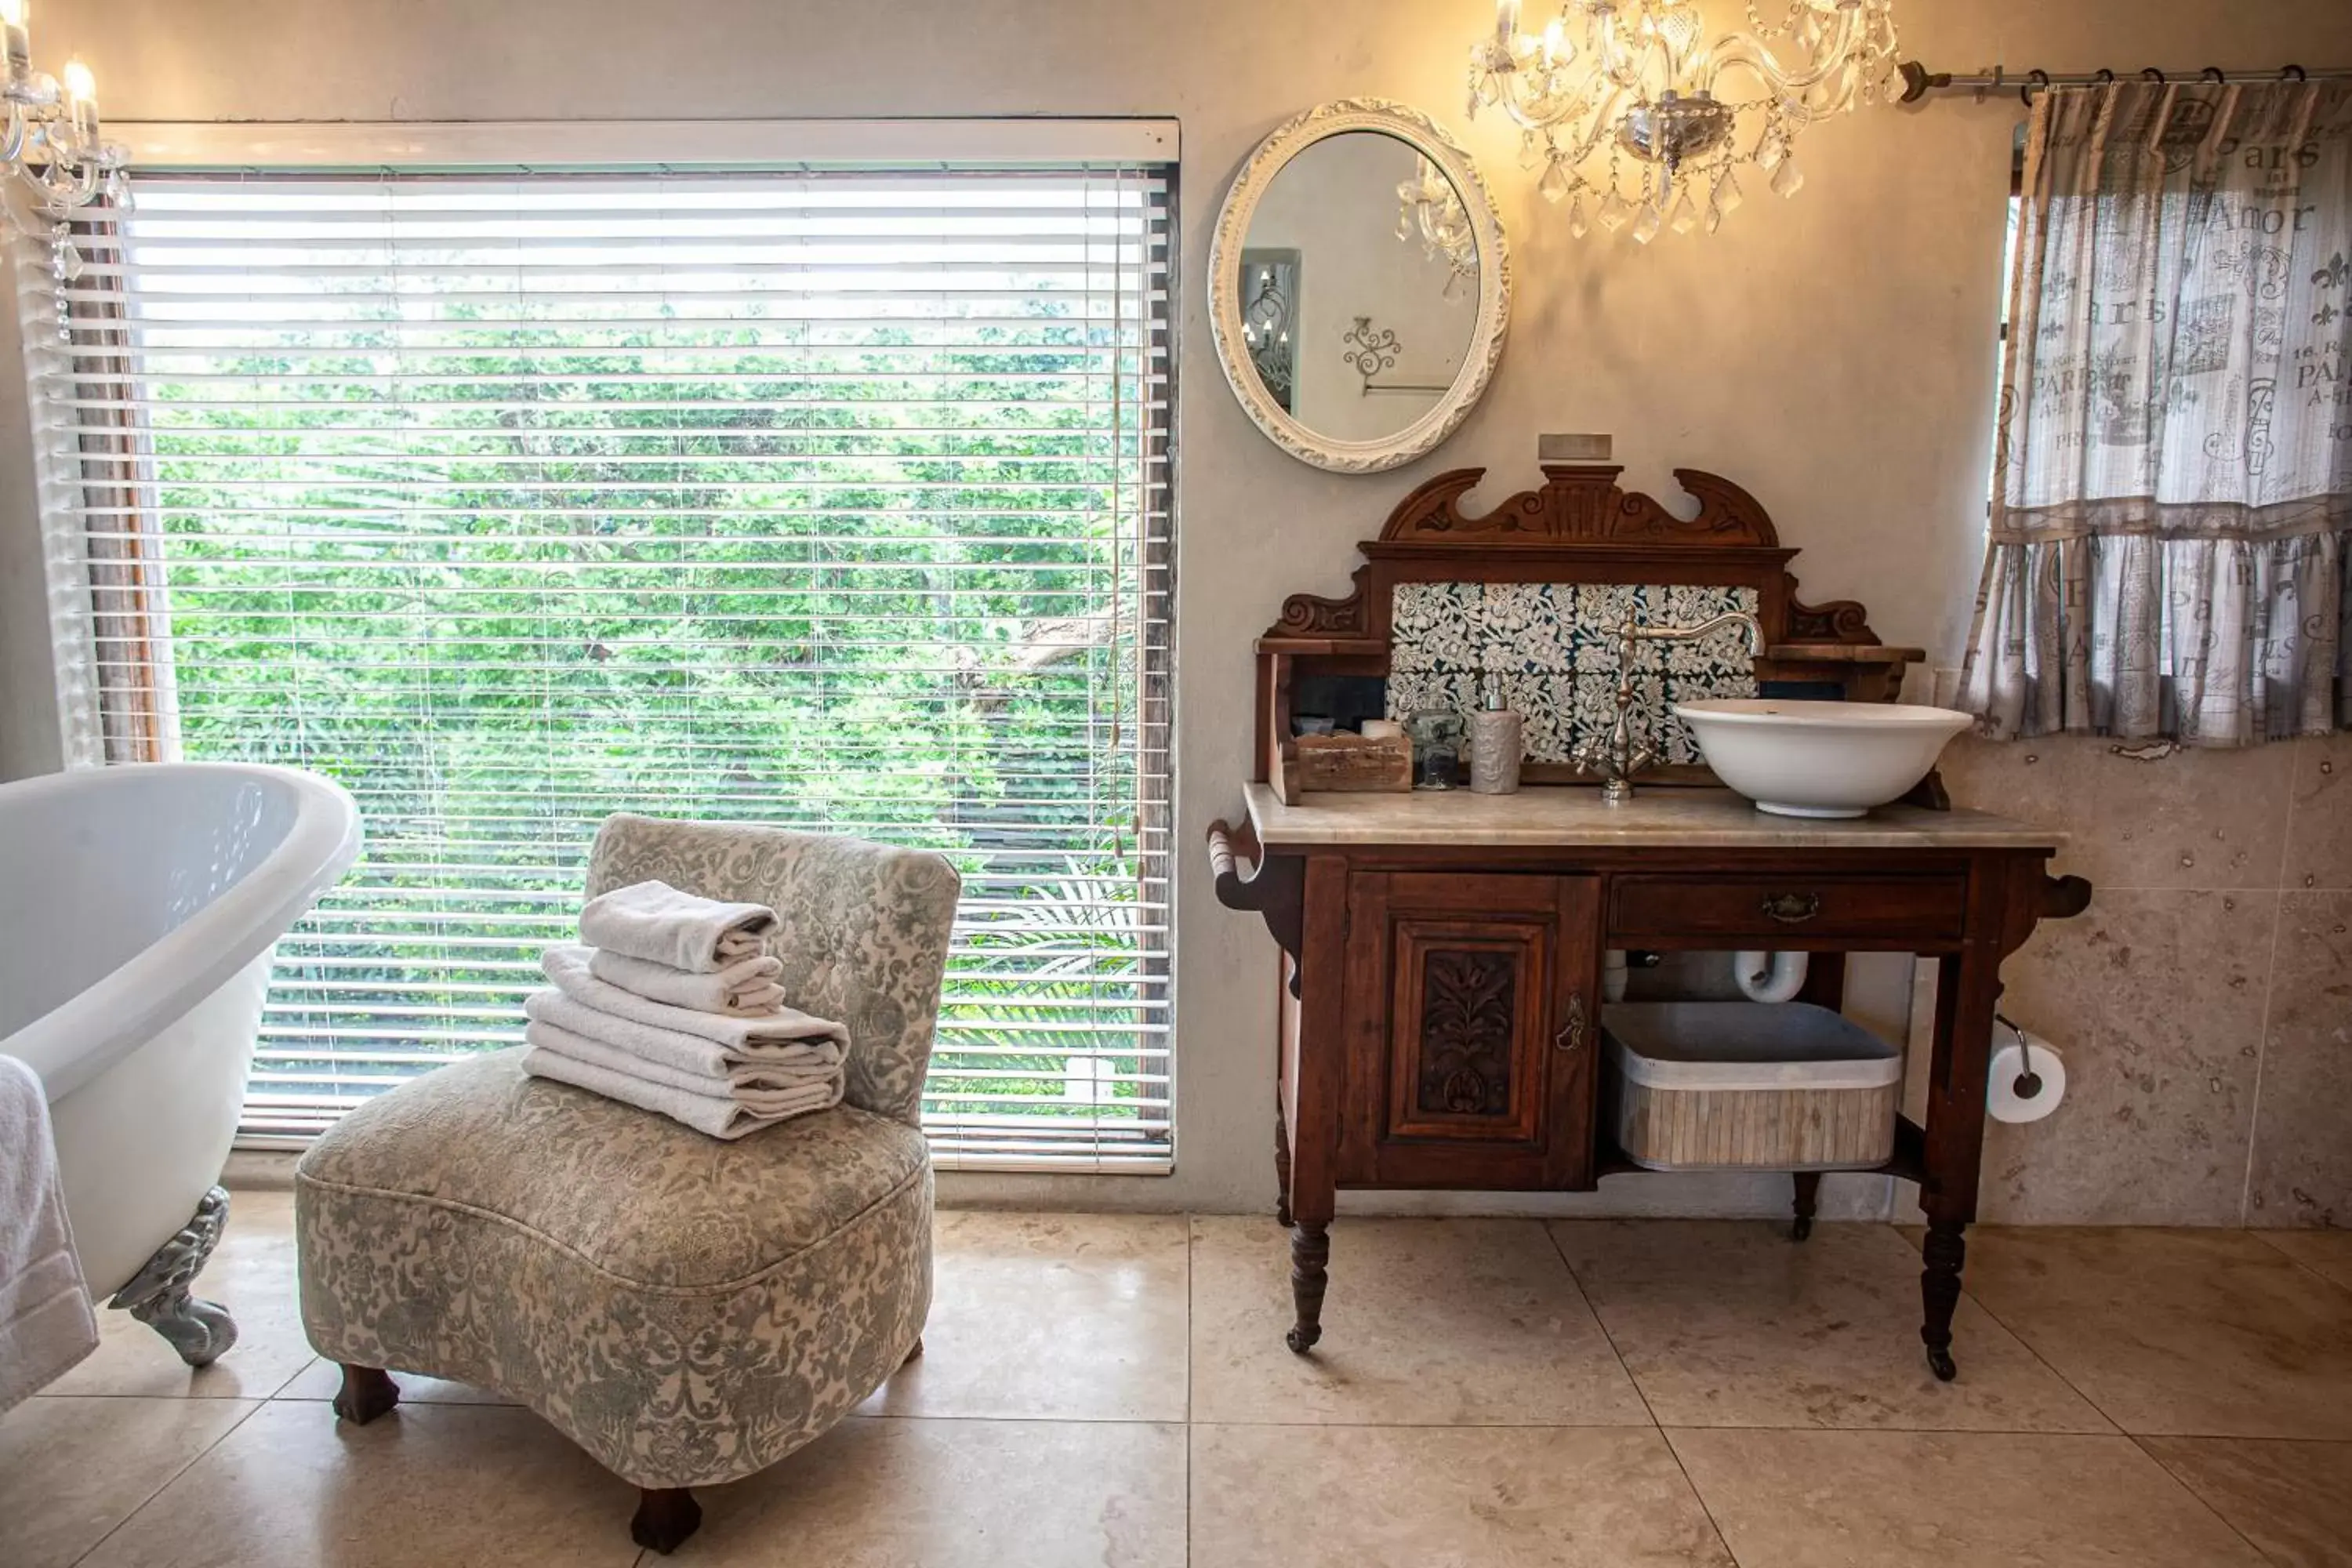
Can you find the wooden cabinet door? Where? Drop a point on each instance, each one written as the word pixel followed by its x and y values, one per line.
pixel 1473 1008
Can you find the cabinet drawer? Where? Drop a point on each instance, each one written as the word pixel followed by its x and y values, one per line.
pixel 1785 911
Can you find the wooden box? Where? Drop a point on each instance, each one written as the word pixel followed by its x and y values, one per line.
pixel 1350 763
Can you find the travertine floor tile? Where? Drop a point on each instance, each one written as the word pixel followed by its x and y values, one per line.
pixel 1728 1323
pixel 72 1469
pixel 439 1485
pixel 958 1494
pixel 2291 1500
pixel 1428 1322
pixel 252 1274
pixel 1072 1317
pixel 322 1378
pixel 1351 1497
pixel 1949 1500
pixel 2327 1252
pixel 2189 1332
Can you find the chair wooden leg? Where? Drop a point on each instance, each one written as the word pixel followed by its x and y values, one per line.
pixel 367 1393
pixel 665 1516
pixel 916 1354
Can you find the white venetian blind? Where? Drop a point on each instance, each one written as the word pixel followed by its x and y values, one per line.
pixel 837 502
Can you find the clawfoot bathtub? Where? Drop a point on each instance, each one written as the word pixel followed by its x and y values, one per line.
pixel 139 907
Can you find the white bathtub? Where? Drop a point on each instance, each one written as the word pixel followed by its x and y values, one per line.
pixel 138 909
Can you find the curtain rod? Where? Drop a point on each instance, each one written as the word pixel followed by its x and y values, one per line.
pixel 1918 80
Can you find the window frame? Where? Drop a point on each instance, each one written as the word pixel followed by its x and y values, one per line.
pixel 135 584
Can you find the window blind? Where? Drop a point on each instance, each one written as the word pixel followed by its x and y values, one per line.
pixel 837 502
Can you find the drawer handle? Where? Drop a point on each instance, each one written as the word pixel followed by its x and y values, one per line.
pixel 1793 909
pixel 1572 1034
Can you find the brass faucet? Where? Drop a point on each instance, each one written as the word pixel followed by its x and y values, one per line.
pixel 1620 756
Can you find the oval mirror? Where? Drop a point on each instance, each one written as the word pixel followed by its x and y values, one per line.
pixel 1358 285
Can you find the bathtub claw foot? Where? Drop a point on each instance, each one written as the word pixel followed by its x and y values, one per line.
pixel 158 1295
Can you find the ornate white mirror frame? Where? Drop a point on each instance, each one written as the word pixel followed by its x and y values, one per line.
pixel 1416 129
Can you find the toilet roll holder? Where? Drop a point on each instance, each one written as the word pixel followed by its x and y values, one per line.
pixel 2028 1083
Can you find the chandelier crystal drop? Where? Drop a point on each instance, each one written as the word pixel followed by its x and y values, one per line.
pixel 51 141
pixel 1622 97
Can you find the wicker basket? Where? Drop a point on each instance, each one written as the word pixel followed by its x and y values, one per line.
pixel 1749 1085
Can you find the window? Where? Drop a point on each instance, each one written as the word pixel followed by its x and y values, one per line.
pixel 836 501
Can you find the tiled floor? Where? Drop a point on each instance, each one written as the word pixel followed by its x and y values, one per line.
pixel 1114 1391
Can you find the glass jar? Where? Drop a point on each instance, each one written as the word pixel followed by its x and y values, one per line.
pixel 1436 735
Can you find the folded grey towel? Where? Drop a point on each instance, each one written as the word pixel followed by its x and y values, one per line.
pixel 746 988
pixel 694 1057
pixel 571 968
pixel 654 921
pixel 720 1116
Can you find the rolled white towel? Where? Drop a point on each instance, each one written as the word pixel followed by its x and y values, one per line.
pixel 571 968
pixel 654 921
pixel 746 988
pixel 697 1058
pixel 719 1115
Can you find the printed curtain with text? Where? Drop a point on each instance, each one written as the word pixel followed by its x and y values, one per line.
pixel 2173 477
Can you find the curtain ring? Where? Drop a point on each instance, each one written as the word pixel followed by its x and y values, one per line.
pixel 2214 73
pixel 2036 77
pixel 2296 72
pixel 2152 74
pixel 2102 76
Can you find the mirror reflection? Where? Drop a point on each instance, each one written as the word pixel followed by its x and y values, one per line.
pixel 1358 286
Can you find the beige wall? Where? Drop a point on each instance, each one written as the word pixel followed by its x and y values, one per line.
pixel 1834 354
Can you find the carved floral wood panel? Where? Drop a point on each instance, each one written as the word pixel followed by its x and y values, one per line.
pixel 1469 999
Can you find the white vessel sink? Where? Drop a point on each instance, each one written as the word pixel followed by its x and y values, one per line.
pixel 1819 759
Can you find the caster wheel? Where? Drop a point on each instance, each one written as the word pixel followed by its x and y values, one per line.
pixel 1940 1362
pixel 1801 1230
pixel 1301 1340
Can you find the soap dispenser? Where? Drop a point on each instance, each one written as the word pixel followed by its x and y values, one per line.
pixel 1497 744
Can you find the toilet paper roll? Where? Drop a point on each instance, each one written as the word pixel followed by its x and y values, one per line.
pixel 2012 1063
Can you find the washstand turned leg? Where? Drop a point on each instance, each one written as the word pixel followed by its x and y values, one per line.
pixel 1809 1191
pixel 1281 1167
pixel 159 1295
pixel 1310 1251
pixel 665 1516
pixel 1939 1291
pixel 367 1393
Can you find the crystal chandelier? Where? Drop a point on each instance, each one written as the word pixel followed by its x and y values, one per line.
pixel 1607 80
pixel 1430 209
pixel 52 140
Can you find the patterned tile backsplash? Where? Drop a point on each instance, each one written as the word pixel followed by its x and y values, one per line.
pixel 1553 646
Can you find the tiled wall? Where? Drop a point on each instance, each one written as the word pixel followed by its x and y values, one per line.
pixel 1553 650
pixel 2203 1003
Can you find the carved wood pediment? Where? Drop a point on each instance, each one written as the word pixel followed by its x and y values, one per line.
pixel 1582 503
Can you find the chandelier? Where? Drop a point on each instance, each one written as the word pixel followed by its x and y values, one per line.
pixel 1607 81
pixel 52 142
pixel 1430 209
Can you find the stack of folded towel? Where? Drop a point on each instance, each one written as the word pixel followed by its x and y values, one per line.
pixel 672 1004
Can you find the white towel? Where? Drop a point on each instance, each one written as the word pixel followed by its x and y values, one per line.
pixel 721 1116
pixel 654 921
pixel 746 988
pixel 45 1322
pixel 756 1087
pixel 571 968
pixel 695 1059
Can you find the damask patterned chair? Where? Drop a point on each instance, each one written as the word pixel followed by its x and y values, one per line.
pixel 686 1309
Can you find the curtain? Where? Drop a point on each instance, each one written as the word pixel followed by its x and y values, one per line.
pixel 2173 480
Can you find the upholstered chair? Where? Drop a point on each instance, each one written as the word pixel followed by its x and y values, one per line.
pixel 688 1310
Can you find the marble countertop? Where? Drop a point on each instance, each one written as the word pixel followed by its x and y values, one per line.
pixel 1663 814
